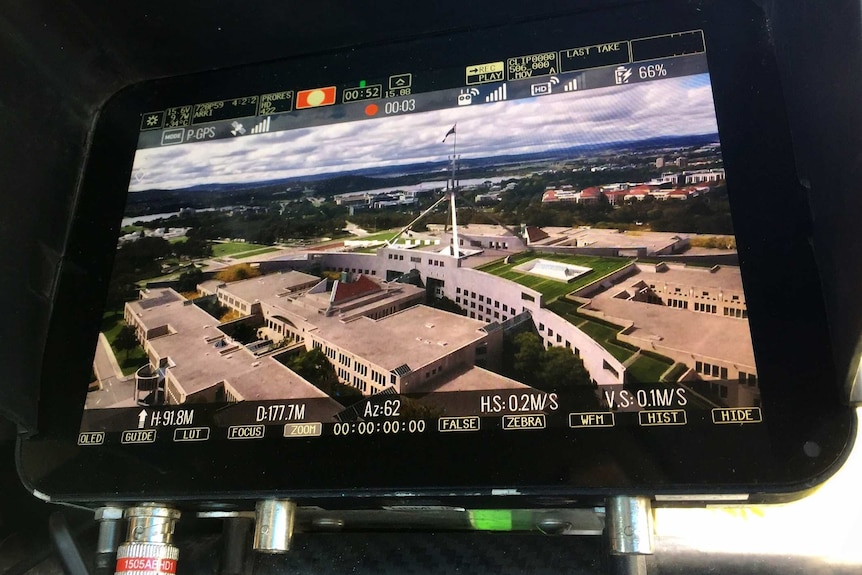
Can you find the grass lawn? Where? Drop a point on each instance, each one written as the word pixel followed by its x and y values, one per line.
pixel 647 370
pixel 112 323
pixel 381 236
pixel 221 250
pixel 130 229
pixel 604 334
pixel 552 289
pixel 179 240
pixel 256 252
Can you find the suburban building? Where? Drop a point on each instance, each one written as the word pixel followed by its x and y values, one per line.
pixel 195 362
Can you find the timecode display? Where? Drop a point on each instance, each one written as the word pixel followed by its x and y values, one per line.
pixel 372 427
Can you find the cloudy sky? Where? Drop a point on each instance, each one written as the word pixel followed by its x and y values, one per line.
pixel 672 107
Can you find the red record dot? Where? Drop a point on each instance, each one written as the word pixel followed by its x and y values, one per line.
pixel 372 109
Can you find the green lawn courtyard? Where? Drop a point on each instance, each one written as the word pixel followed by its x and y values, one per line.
pixel 549 288
pixel 223 249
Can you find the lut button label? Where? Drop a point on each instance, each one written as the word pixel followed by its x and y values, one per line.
pixel 191 434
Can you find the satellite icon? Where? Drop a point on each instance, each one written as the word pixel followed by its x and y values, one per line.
pixel 237 129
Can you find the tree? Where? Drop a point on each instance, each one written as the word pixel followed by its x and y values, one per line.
pixel 189 280
pixel 528 357
pixel 126 340
pixel 315 367
pixel 561 368
pixel 237 272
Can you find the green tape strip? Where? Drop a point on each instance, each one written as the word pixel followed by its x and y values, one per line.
pixel 491 519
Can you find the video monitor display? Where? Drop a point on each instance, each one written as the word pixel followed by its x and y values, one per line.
pixel 547 244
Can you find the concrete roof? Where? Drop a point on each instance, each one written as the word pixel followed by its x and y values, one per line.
pixel 704 334
pixel 259 288
pixel 607 238
pixel 467 379
pixel 199 364
pixel 724 277
pixel 416 336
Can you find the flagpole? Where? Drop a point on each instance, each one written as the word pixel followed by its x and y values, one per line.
pixel 455 251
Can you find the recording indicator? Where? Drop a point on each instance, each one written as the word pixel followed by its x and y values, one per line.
pixel 372 109
pixel 595 56
pixel 225 109
pixel 315 97
pixel 361 92
pixel 275 103
pixel 482 73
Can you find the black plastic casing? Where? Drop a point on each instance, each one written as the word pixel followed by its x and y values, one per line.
pixel 807 428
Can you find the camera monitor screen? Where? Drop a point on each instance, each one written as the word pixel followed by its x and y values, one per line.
pixel 547 245
pixel 556 259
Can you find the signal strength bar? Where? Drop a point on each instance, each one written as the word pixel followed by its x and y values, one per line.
pixel 497 95
pixel 571 85
pixel 262 127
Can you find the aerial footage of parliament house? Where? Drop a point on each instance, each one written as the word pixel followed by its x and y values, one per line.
pixel 381 335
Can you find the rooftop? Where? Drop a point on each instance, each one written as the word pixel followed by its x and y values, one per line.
pixel 203 356
pixel 416 336
pixel 467 379
pixel 259 288
pixel 720 277
pixel 685 330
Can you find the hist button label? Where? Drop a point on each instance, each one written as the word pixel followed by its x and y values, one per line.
pixel 738 415
pixel 138 436
pixel 662 417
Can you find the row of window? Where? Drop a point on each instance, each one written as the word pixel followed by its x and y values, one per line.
pixel 734 312
pixel 747 378
pixel 703 294
pixel 705 307
pixel 709 369
pixel 360 270
pixel 677 303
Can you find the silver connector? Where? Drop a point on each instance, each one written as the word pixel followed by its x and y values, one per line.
pixel 109 519
pixel 273 525
pixel 149 541
pixel 630 525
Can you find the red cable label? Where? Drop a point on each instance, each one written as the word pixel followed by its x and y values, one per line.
pixel 151 564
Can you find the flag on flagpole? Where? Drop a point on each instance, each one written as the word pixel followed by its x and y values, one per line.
pixel 449 133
